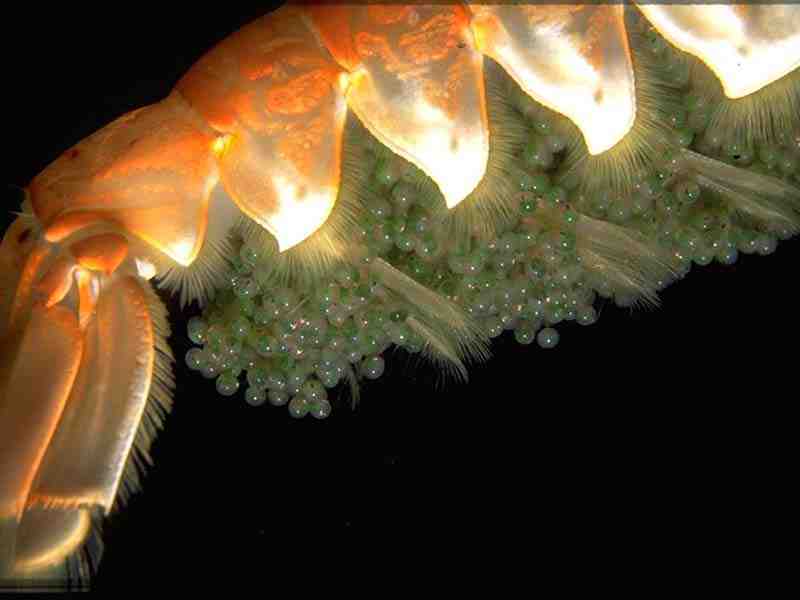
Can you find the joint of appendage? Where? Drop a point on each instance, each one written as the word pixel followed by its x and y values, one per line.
pixel 86 247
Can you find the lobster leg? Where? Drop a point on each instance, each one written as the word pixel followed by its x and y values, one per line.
pixel 86 457
pixel 78 371
pixel 72 406
pixel 39 367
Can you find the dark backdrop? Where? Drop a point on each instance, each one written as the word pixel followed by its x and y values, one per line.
pixel 651 427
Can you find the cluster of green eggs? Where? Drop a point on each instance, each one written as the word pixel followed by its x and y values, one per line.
pixel 292 346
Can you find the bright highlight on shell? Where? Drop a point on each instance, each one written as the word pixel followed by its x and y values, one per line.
pixel 417 84
pixel 747 46
pixel 573 59
pixel 298 214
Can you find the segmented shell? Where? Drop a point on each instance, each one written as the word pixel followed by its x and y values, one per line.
pixel 273 100
pixel 746 46
pixel 277 95
pixel 416 82
pixel 573 59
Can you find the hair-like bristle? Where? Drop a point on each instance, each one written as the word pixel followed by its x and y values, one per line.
pixel 615 171
pixel 772 203
pixel 631 265
pixel 82 566
pixel 764 117
pixel 307 262
pixel 159 401
pixel 447 328
pixel 492 206
pixel 438 349
pixel 199 281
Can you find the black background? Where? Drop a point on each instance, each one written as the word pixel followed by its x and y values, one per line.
pixel 650 429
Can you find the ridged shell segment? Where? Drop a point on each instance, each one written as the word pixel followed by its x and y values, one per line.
pixel 150 171
pixel 275 95
pixel 573 59
pixel 416 82
pixel 747 46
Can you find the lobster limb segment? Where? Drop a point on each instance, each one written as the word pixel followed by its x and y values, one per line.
pixel 45 537
pixel 416 82
pixel 275 93
pixel 150 172
pixel 86 457
pixel 24 276
pixel 40 363
pixel 18 253
pixel 573 59
pixel 746 46
pixel 82 381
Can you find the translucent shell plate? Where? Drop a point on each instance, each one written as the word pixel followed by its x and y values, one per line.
pixel 746 46
pixel 573 59
pixel 276 97
pixel 416 82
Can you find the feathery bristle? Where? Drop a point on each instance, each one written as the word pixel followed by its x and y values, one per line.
pixel 451 330
pixel 211 269
pixel 159 401
pixel 492 206
pixel 772 203
pixel 632 265
pixel 439 350
pixel 657 98
pixel 352 384
pixel 312 259
pixel 763 117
